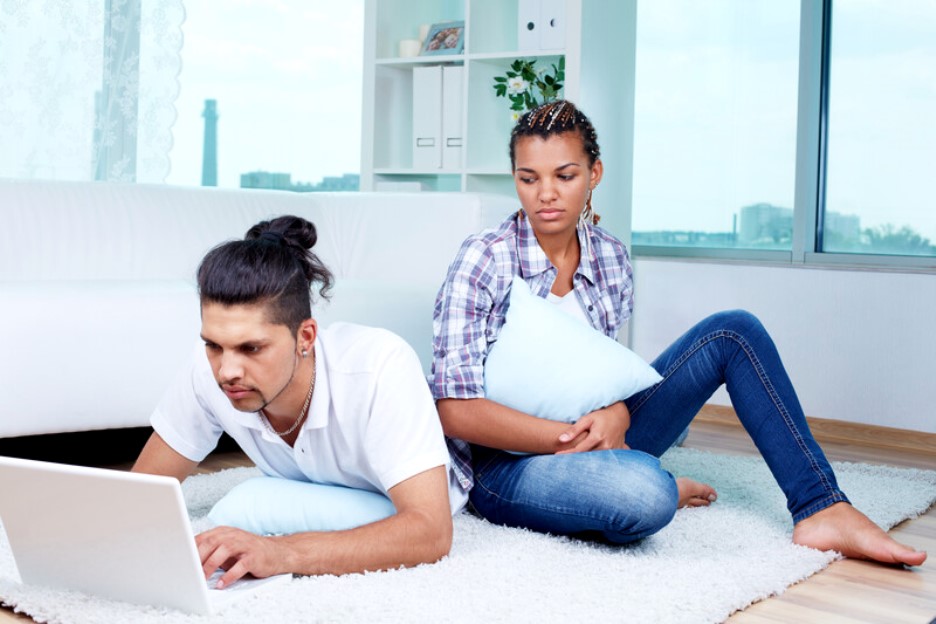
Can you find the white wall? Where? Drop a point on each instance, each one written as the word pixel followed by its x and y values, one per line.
pixel 860 346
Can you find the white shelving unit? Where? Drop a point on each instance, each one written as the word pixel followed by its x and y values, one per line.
pixel 599 78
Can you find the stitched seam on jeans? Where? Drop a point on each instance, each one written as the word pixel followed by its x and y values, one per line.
pixel 835 497
pixel 768 387
pixel 781 407
pixel 669 373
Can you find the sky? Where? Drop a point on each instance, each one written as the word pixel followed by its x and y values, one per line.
pixel 716 102
pixel 287 79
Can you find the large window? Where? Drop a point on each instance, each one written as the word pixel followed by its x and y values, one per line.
pixel 796 130
pixel 881 162
pixel 715 125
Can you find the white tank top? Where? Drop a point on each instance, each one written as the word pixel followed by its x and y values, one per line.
pixel 569 304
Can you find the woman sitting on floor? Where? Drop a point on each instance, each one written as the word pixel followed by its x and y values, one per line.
pixel 601 476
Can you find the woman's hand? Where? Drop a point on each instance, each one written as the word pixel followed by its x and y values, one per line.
pixel 603 429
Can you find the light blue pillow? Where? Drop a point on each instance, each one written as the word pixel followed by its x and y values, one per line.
pixel 548 364
pixel 275 506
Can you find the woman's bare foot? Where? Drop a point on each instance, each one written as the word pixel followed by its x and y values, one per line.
pixel 694 494
pixel 844 529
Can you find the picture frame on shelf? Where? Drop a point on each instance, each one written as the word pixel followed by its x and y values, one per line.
pixel 444 38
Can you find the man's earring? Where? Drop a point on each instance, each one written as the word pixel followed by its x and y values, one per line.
pixel 305 353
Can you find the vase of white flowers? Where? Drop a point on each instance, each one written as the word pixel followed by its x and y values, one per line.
pixel 527 86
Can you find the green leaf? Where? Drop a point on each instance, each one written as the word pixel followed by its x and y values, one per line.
pixel 544 84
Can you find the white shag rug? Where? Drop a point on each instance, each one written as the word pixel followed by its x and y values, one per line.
pixel 705 565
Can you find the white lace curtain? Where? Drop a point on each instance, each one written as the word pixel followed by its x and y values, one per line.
pixel 88 88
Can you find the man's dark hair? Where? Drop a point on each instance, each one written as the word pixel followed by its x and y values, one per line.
pixel 273 266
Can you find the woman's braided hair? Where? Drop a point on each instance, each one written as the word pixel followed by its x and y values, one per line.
pixel 554 118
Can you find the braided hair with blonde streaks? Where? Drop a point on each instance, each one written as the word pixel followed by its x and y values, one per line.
pixel 555 118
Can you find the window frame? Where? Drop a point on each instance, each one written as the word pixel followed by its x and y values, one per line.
pixel 809 201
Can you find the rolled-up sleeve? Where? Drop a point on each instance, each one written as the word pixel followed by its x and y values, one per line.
pixel 460 324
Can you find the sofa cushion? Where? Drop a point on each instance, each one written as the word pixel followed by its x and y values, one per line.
pixel 119 231
pixel 91 355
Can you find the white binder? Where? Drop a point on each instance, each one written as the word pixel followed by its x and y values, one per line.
pixel 427 117
pixel 552 24
pixel 452 106
pixel 528 24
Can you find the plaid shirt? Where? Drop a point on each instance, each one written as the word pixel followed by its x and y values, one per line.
pixel 470 307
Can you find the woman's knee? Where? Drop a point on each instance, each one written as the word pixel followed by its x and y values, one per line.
pixel 642 504
pixel 739 322
pixel 623 495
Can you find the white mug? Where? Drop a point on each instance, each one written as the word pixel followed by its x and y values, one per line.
pixel 409 47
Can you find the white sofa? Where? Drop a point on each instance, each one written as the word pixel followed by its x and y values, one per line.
pixel 97 283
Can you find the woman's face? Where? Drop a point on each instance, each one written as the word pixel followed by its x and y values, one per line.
pixel 553 177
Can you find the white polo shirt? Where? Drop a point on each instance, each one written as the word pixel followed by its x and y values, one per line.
pixel 372 421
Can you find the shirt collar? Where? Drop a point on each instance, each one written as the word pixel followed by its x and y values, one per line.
pixel 533 260
pixel 321 395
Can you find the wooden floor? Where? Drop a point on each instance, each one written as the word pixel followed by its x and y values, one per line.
pixel 847 592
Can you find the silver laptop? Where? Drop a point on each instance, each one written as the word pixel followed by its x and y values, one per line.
pixel 115 534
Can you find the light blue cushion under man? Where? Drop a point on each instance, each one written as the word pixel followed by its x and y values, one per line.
pixel 275 506
pixel 548 364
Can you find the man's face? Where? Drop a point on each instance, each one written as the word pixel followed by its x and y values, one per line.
pixel 252 359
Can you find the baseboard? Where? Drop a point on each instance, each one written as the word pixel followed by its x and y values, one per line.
pixel 827 430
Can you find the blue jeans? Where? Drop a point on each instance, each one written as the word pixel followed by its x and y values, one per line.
pixel 624 495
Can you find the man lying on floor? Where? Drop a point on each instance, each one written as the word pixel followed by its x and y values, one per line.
pixel 341 422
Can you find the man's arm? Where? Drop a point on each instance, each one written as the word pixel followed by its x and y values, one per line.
pixel 420 532
pixel 159 458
